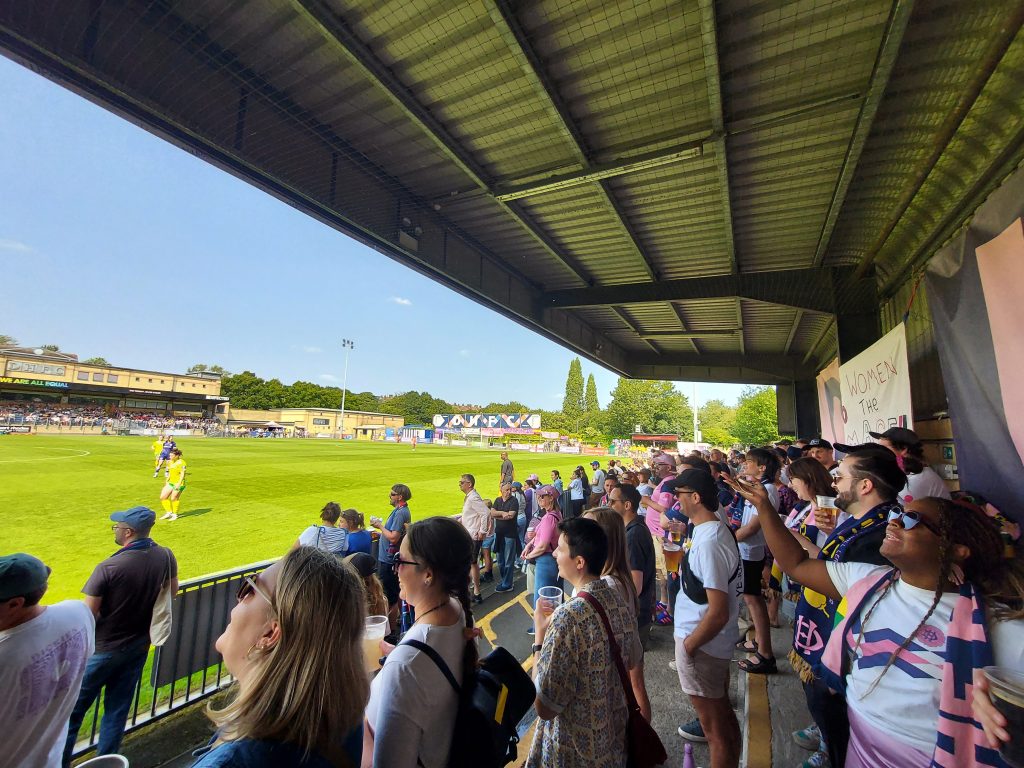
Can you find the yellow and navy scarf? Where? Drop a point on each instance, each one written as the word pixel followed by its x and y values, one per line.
pixel 814 612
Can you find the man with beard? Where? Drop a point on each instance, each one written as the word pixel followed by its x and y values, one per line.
pixel 867 481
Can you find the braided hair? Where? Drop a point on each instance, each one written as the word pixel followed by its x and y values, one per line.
pixel 446 546
pixel 961 523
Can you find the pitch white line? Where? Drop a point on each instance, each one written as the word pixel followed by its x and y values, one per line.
pixel 78 455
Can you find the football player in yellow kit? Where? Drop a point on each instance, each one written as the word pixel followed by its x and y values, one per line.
pixel 170 495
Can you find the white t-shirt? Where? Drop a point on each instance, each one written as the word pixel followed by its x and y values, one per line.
pixel 908 693
pixel 412 705
pixel 752 548
pixel 922 485
pixel 325 537
pixel 42 663
pixel 713 558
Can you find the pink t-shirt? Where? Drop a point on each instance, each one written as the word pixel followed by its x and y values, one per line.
pixel 547 531
pixel 666 500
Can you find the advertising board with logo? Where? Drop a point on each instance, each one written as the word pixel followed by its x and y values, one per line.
pixel 504 421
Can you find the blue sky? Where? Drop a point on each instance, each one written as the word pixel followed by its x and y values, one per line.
pixel 115 243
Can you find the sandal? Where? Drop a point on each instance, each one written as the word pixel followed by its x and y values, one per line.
pixel 663 618
pixel 747 646
pixel 765 665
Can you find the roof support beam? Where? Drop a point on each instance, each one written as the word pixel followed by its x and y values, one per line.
pixel 625 318
pixel 719 366
pixel 798 317
pixel 997 48
pixel 709 40
pixel 690 334
pixel 337 31
pixel 515 37
pixel 884 62
pixel 807 289
pixel 599 171
pixel 678 312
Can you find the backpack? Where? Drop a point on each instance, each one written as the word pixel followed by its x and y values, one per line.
pixel 491 705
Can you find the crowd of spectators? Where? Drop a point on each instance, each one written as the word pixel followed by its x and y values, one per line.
pixel 19 412
pixel 921 591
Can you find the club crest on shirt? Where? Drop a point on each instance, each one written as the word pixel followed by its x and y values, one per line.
pixel 931 636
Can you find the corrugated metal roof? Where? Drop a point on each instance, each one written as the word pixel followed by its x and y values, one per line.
pixel 668 188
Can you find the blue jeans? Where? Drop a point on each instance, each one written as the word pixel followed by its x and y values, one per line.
pixel 118 672
pixel 546 574
pixel 507 563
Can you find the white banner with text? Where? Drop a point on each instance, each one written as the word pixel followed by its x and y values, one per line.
pixel 876 388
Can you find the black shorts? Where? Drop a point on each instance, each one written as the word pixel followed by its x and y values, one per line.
pixel 752 576
pixel 389 580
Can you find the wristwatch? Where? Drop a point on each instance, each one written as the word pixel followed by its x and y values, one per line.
pixel 536 648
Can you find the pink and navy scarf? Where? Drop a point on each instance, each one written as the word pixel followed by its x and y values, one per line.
pixel 960 741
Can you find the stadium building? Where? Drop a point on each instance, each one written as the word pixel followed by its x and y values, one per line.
pixel 43 376
pixel 313 422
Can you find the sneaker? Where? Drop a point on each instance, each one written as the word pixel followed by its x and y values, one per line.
pixel 672 666
pixel 692 731
pixel 532 630
pixel 476 599
pixel 503 589
pixel 817 760
pixel 486 577
pixel 165 516
pixel 809 738
pixel 172 517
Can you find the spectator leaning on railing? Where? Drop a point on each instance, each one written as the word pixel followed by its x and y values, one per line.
pixel 121 593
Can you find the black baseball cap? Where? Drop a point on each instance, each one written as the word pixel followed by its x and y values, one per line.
pixel 898 435
pixel 697 480
pixel 819 442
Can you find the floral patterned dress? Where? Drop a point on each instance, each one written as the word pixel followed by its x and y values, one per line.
pixel 577 679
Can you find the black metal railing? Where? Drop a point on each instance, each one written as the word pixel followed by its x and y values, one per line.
pixel 187 667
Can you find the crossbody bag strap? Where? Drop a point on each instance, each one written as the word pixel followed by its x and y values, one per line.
pixel 627 687
pixel 436 658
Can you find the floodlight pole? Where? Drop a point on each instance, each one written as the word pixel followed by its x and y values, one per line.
pixel 348 345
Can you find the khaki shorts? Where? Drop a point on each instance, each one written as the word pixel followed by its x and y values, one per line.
pixel 659 557
pixel 702 675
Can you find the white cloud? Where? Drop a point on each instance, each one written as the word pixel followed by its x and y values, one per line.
pixel 312 350
pixel 14 245
pixel 400 300
pixel 329 377
pixel 464 353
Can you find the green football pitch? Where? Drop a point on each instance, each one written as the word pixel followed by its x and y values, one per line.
pixel 247 499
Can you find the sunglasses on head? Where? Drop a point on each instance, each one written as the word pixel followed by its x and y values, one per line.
pixel 248 587
pixel 908 519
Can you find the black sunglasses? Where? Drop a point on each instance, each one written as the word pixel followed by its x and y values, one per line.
pixel 399 561
pixel 907 520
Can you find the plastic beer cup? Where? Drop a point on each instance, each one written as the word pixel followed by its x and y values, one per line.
pixel 374 631
pixel 1006 689
pixel 550 597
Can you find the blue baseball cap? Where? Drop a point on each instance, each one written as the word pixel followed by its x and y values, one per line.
pixel 21 574
pixel 136 518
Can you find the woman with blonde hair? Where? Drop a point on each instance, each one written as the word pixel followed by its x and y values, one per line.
pixel 299 701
